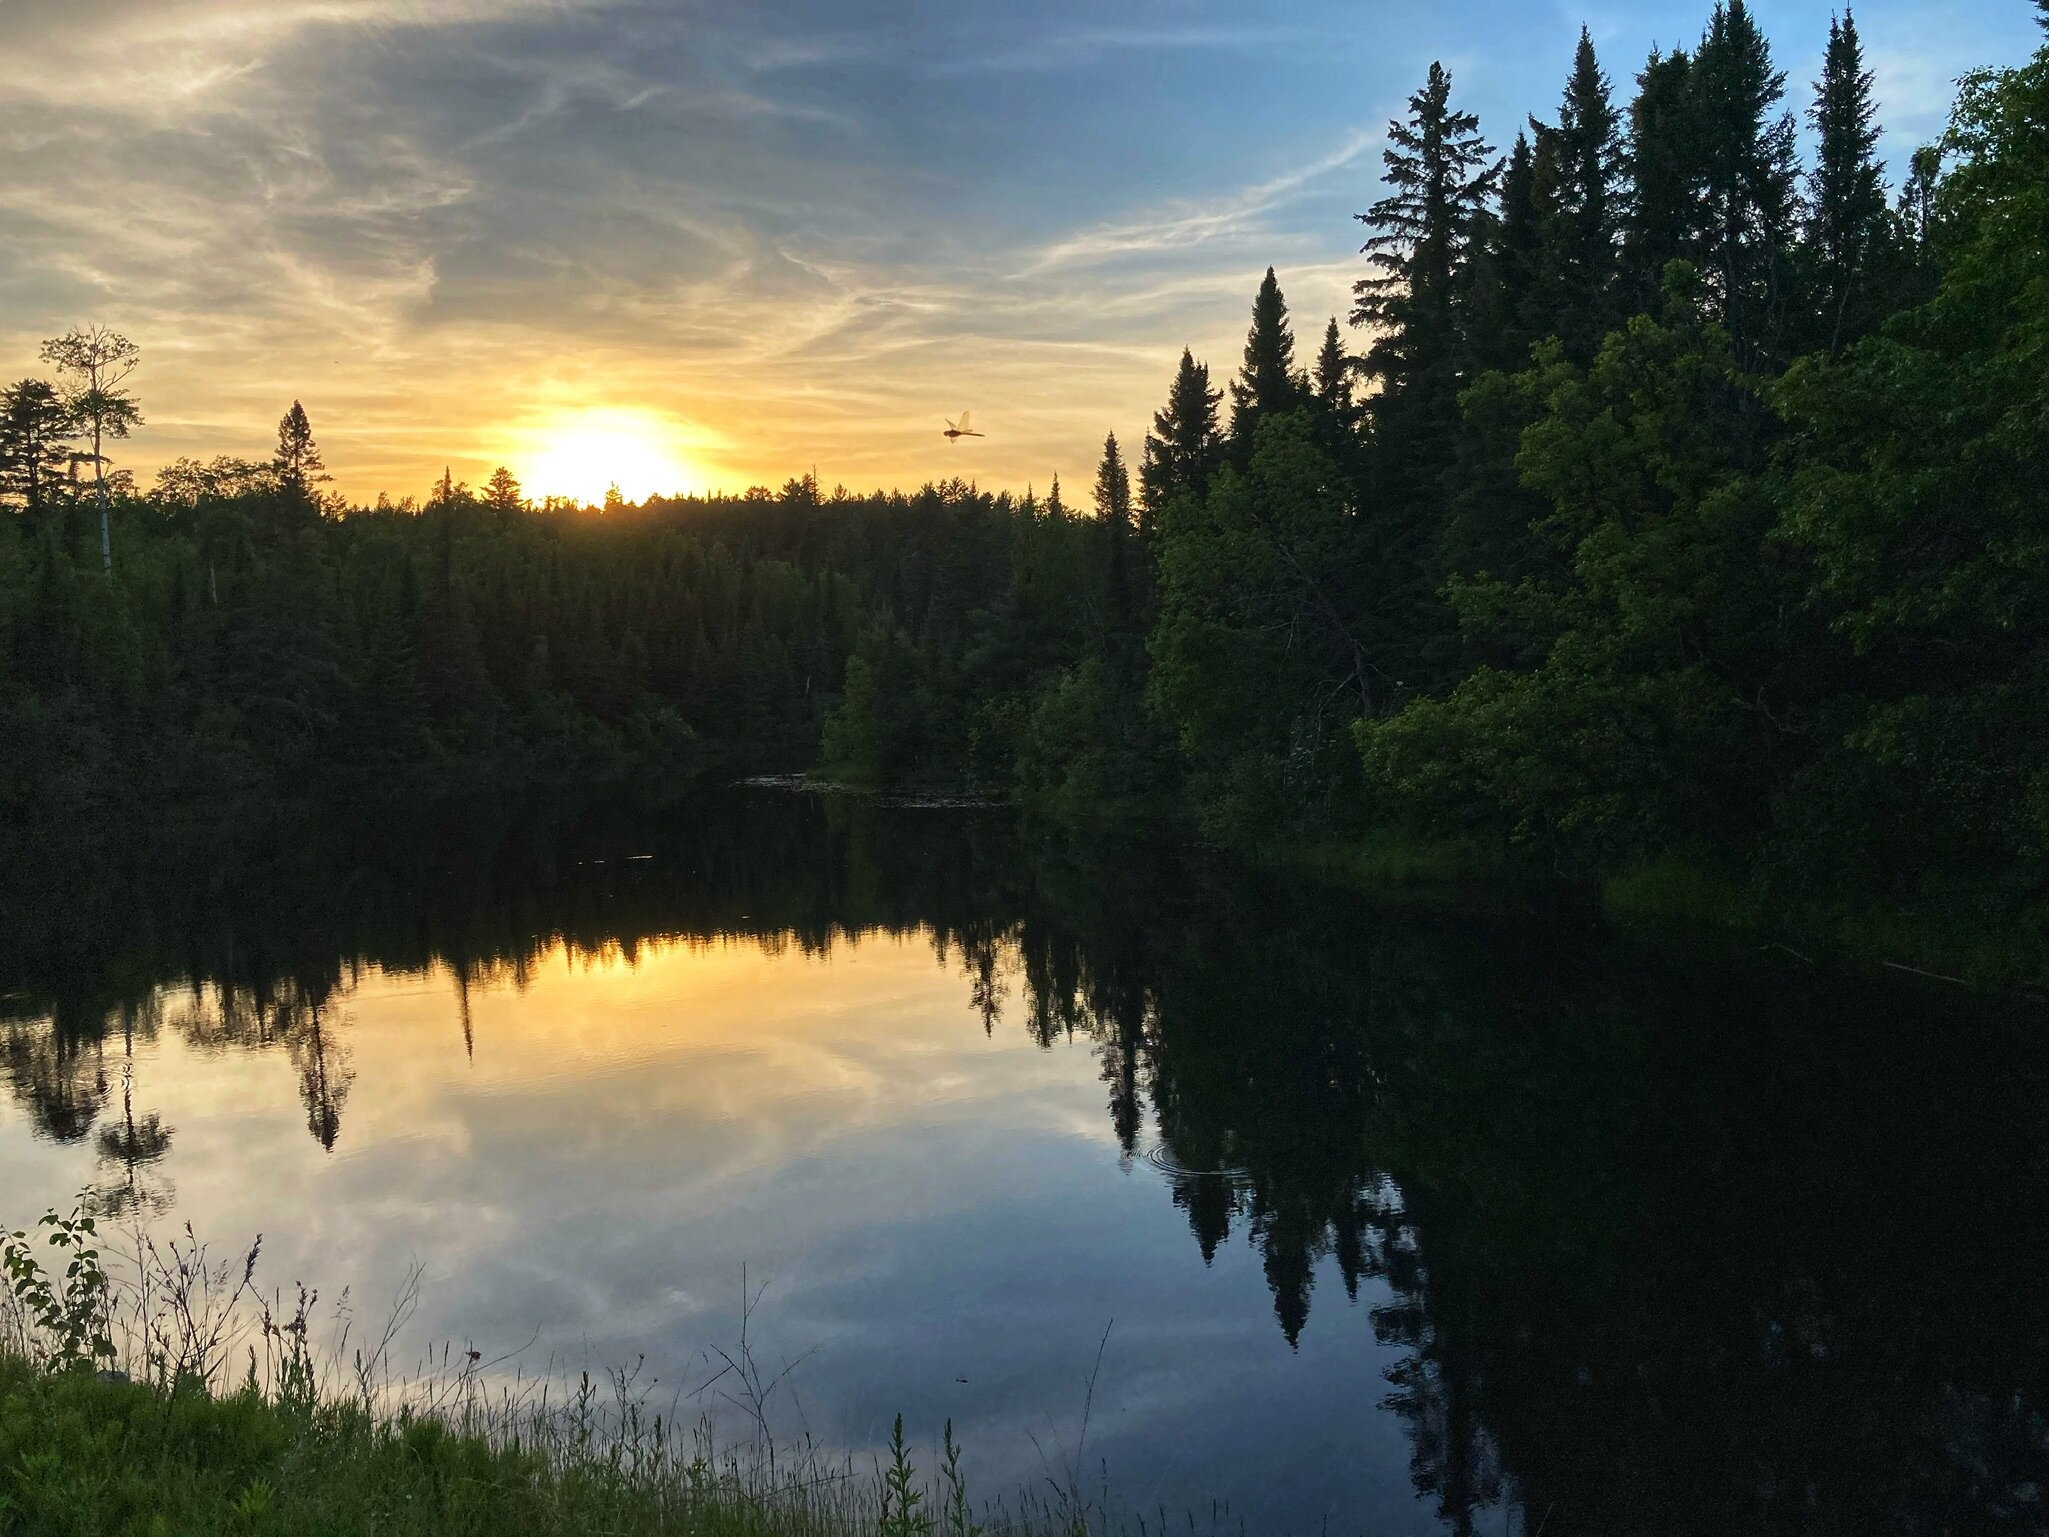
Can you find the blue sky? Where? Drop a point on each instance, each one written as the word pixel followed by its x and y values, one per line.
pixel 759 237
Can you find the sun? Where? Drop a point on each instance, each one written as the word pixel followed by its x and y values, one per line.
pixel 582 454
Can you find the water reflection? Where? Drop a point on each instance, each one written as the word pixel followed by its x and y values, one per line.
pixel 1613 1242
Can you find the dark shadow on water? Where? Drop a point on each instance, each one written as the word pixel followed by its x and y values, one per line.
pixel 1675 1245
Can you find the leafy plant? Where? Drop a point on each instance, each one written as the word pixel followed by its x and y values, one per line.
pixel 902 1499
pixel 62 1306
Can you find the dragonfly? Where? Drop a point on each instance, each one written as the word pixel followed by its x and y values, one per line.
pixel 960 429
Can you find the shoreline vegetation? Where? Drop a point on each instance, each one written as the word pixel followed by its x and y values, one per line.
pixel 1675 537
pixel 162 1392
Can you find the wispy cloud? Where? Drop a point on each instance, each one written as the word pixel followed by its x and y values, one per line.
pixel 1178 226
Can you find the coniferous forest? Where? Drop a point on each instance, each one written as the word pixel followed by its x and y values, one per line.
pixel 1672 496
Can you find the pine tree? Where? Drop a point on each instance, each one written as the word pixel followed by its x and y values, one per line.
pixel 1503 311
pixel 35 430
pixel 297 464
pixel 1663 222
pixel 1846 191
pixel 1440 173
pixel 502 493
pixel 1749 191
pixel 1113 515
pixel 1334 367
pixel 1582 219
pixel 1182 450
pixel 1267 384
pixel 1113 487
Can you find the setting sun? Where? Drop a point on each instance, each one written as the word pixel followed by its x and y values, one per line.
pixel 582 455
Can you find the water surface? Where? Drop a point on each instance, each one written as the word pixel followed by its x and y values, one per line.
pixel 1393 1223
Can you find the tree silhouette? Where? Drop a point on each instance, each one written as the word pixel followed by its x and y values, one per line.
pixel 1846 219
pixel 36 425
pixel 98 362
pixel 1267 383
pixel 1182 450
pixel 297 463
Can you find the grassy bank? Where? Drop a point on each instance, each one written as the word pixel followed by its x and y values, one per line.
pixel 158 1393
pixel 80 1455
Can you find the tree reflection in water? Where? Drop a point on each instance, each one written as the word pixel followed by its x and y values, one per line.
pixel 1666 1244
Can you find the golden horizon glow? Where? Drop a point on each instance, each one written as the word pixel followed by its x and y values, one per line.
pixel 582 454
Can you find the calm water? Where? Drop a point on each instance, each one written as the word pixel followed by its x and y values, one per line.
pixel 1395 1224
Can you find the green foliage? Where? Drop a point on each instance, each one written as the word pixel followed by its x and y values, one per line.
pixel 1647 720
pixel 1913 478
pixel 1256 662
pixel 61 1299
pixel 83 1454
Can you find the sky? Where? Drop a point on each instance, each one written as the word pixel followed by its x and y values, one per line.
pixel 694 245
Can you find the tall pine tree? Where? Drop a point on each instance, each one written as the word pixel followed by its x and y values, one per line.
pixel 1749 191
pixel 1663 222
pixel 1182 450
pixel 1267 384
pixel 1582 226
pixel 1440 174
pixel 1847 222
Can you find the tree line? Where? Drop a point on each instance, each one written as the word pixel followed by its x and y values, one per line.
pixel 1680 501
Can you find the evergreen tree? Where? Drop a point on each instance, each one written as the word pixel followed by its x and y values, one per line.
pixel 1267 383
pixel 1123 619
pixel 1113 488
pixel 1748 190
pixel 1334 373
pixel 36 427
pixel 1182 450
pixel 1501 303
pixel 1582 217
pixel 1663 221
pixel 297 464
pixel 502 493
pixel 1846 191
pixel 1440 173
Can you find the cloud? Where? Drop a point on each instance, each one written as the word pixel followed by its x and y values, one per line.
pixel 1180 225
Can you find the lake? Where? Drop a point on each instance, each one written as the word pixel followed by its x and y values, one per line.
pixel 1361 1219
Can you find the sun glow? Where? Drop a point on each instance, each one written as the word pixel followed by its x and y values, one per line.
pixel 583 454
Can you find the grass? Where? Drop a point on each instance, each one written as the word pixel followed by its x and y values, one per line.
pixel 158 1393
pixel 79 1456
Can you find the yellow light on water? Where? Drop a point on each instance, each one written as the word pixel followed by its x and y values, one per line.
pixel 581 454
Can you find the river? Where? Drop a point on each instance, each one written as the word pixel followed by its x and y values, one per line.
pixel 1220 1193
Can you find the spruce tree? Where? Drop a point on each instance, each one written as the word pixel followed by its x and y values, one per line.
pixel 502 493
pixel 1113 515
pixel 1663 221
pixel 1846 191
pixel 297 464
pixel 1440 174
pixel 1582 224
pixel 1267 383
pixel 1749 191
pixel 1502 309
pixel 36 427
pixel 1113 487
pixel 1334 373
pixel 1182 450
